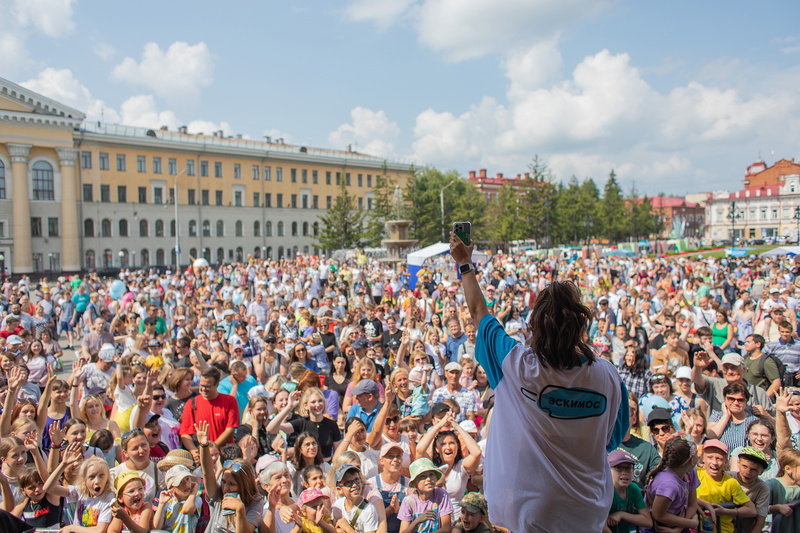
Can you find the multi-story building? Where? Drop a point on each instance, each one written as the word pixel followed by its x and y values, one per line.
pixel 101 196
pixel 679 216
pixel 767 207
pixel 490 186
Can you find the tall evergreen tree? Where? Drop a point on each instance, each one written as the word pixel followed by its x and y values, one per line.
pixel 504 212
pixel 612 212
pixel 540 200
pixel 589 199
pixel 342 226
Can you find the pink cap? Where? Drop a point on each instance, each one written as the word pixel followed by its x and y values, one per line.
pixel 390 446
pixel 264 461
pixel 309 495
pixel 715 443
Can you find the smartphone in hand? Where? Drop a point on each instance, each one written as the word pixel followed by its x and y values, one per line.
pixel 463 231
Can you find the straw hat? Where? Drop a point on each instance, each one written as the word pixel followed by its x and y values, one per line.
pixel 176 457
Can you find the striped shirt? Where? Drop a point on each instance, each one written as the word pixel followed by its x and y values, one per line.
pixel 787 352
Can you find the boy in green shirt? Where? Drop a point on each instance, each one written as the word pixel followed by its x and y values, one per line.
pixel 627 508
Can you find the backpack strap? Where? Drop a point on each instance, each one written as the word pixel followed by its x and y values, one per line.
pixel 361 507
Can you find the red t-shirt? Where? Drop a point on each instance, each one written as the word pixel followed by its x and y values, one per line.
pixel 221 413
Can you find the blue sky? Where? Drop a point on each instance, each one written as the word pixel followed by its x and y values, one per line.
pixel 675 96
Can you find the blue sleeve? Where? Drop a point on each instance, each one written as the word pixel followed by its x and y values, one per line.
pixel 491 347
pixel 622 423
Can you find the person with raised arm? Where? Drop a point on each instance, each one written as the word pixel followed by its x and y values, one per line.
pixel 559 411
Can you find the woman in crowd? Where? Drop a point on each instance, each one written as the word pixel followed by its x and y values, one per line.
pixel 761 436
pixel 312 420
pixel 363 369
pixel 730 425
pixel 634 371
pixel 722 331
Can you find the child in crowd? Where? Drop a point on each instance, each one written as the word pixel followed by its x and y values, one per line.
pixel 40 509
pixel 474 511
pixel 784 491
pixel 429 510
pixel 751 463
pixel 313 516
pixel 718 487
pixel 628 509
pixel 353 514
pixel 671 488
pixel 14 454
pixel 179 506
pixel 131 511
pixel 92 495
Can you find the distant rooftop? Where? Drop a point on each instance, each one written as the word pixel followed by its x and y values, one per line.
pixel 218 139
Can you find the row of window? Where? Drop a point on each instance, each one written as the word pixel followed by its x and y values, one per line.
pixel 305 201
pixel 172 169
pixel 38 231
pixel 128 259
pixel 305 229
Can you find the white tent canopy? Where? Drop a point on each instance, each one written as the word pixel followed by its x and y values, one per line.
pixel 415 259
pixel 782 250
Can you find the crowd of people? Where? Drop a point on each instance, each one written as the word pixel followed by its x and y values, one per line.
pixel 312 394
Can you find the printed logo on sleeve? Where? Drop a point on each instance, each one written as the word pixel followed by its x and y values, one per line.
pixel 568 403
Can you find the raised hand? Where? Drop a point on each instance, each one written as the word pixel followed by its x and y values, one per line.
pixel 201 429
pixel 144 401
pixel 782 401
pixel 391 394
pixel 15 378
pixel 56 434
pixel 73 453
pixel 294 399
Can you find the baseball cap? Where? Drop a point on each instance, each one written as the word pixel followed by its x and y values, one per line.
pixel 452 367
pixel 107 352
pixel 360 344
pixel 683 372
pixel 658 414
pixel 468 426
pixel 125 478
pixel 474 502
pixel 365 386
pixel 152 343
pixel 309 495
pixel 618 457
pixel 228 312
pixel 755 455
pixel 342 471
pixel 716 443
pixel 14 339
pixel 733 359
pixel 176 474
pixel 386 448
pixel 264 461
pixel 438 408
pixel 775 290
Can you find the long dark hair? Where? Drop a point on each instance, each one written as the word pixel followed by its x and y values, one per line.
pixel 639 366
pixel 437 459
pixel 676 452
pixel 559 322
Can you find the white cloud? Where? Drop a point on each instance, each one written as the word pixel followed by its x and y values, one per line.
pixel 383 13
pixel 51 17
pixel 604 116
pixel 104 51
pixel 13 54
pixel 208 127
pixel 141 110
pixel 62 86
pixel 177 74
pixel 370 132
pixel 274 134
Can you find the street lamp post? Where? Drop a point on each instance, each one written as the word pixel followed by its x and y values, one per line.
pixel 441 205
pixel 733 215
pixel 121 254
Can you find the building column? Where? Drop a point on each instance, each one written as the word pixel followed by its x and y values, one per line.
pixel 22 262
pixel 70 245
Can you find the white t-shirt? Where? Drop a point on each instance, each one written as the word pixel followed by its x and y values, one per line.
pixel 367 520
pixel 153 479
pixel 90 511
pixel 456 485
pixel 550 433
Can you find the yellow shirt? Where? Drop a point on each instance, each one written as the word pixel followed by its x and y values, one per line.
pixel 727 490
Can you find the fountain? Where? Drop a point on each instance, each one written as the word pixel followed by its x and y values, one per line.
pixel 398 245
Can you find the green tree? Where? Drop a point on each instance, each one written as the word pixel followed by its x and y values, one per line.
pixel 462 203
pixel 382 207
pixel 540 199
pixel 612 213
pixel 566 214
pixel 504 212
pixel 342 226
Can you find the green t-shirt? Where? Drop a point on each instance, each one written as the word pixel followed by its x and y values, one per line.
pixel 631 504
pixel 753 375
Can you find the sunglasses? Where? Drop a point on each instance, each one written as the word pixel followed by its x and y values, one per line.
pixel 658 377
pixel 234 466
pixel 623 468
pixel 353 483
pixel 665 429
pixel 736 400
pixel 393 420
pixel 158 397
pixel 133 432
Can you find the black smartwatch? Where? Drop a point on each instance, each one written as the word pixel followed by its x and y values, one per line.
pixel 466 269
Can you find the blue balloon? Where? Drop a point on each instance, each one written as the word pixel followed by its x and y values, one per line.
pixel 118 289
pixel 237 298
